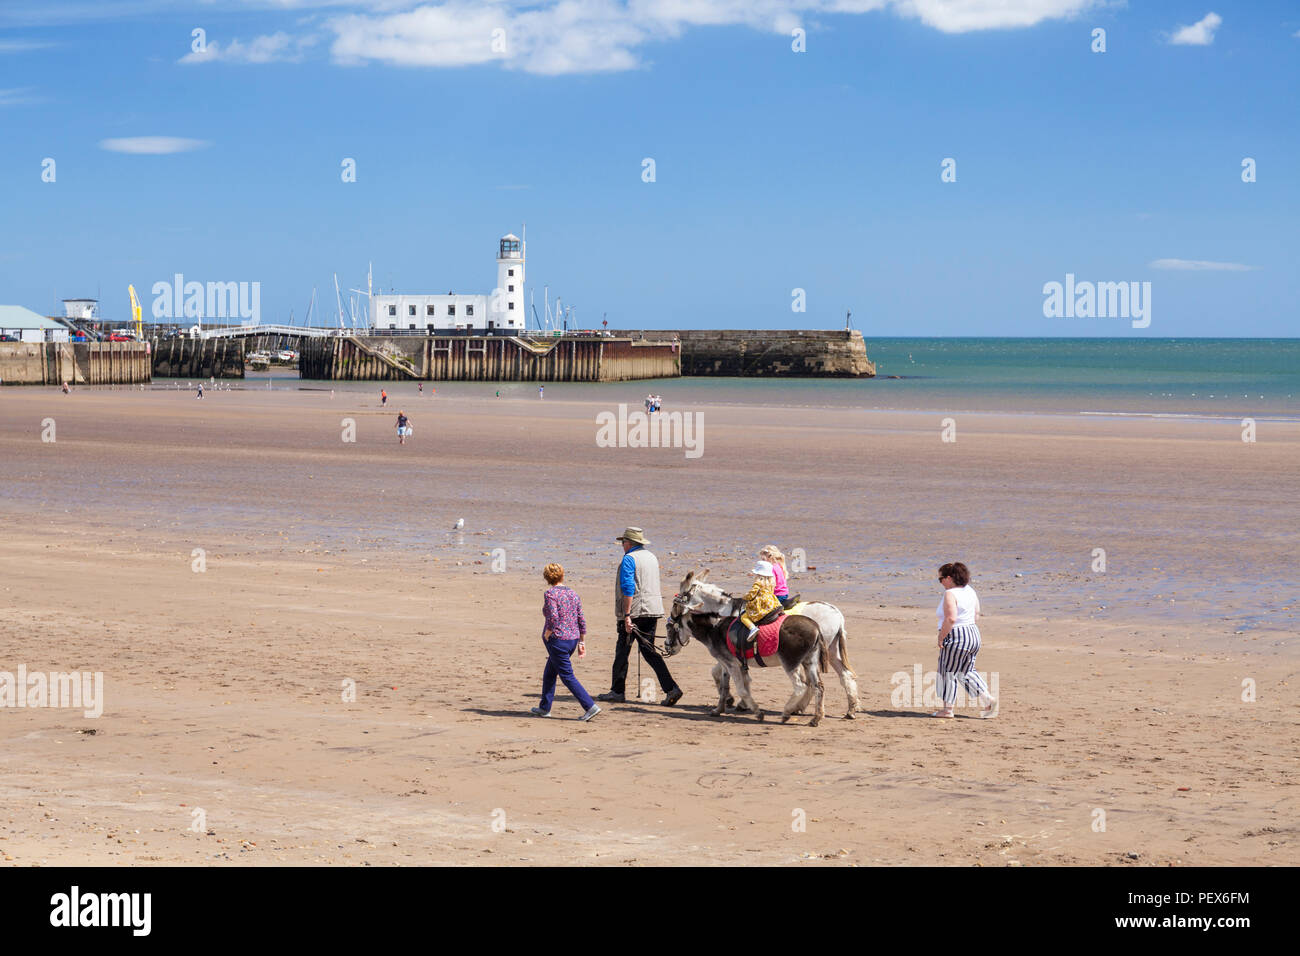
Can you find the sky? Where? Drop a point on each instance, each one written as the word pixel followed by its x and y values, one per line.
pixel 798 151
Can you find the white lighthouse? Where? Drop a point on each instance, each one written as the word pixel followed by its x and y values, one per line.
pixel 474 314
pixel 507 306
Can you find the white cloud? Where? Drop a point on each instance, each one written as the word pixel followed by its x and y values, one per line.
pixel 16 96
pixel 22 46
pixel 542 36
pixel 589 36
pixel 1200 33
pixel 152 145
pixel 963 16
pixel 264 49
pixel 1199 265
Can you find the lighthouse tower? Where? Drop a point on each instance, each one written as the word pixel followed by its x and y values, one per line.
pixel 507 305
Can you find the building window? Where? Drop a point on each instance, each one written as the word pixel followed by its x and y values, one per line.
pixel 411 326
pixel 410 310
pixel 510 289
pixel 392 310
pixel 510 272
pixel 510 305
pixel 451 310
pixel 428 310
pixel 469 310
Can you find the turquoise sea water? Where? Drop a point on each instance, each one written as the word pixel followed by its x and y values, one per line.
pixel 1230 378
pixel 1191 376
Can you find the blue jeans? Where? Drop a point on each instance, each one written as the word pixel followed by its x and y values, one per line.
pixel 558 665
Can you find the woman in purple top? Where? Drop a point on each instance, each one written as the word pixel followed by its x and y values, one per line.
pixel 563 633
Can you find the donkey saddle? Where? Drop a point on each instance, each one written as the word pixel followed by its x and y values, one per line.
pixel 763 644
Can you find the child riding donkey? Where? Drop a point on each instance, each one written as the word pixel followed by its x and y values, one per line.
pixel 773 555
pixel 761 607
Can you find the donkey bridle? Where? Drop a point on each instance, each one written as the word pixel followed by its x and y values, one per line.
pixel 675 619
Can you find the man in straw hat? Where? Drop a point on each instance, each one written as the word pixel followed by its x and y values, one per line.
pixel 638 606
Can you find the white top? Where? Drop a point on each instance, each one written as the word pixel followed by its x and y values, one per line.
pixel 968 605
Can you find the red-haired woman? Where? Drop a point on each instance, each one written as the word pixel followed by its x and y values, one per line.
pixel 565 628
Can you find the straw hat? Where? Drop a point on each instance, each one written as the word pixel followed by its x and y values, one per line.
pixel 635 535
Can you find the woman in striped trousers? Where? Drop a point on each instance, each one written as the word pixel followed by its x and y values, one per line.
pixel 959 642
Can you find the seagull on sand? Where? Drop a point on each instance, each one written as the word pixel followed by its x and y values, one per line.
pixel 460 523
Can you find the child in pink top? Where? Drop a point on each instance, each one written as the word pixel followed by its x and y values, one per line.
pixel 772 554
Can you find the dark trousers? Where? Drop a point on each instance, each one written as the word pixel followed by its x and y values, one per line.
pixel 559 665
pixel 648 625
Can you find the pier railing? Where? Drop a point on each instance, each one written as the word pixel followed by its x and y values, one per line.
pixel 237 331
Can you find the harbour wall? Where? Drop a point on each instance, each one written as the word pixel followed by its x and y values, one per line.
pixel 464 358
pixel 809 353
pixel 77 363
pixel 183 357
pixel 617 356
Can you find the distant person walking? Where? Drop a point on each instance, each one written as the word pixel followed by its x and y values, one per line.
pixel 541 391
pixel 638 606
pixel 562 634
pixel 200 394
pixel 66 390
pixel 420 388
pixel 403 427
pixel 383 398
pixel 959 642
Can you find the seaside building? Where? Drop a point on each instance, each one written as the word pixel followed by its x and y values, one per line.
pixel 84 309
pixel 501 310
pixel 26 326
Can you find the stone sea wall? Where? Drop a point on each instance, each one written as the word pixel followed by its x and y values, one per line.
pixel 481 358
pixel 774 352
pixel 77 363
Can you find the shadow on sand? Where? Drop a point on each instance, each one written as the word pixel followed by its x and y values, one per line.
pixel 695 712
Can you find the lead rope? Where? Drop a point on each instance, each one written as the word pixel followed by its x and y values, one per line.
pixel 641 638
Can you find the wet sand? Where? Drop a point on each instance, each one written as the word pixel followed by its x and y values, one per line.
pixel 329 561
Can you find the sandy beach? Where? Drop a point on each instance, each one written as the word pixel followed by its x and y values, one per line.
pixel 231 564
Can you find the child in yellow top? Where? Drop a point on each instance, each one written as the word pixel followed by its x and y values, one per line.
pixel 760 601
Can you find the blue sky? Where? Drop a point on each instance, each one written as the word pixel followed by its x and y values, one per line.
pixel 774 170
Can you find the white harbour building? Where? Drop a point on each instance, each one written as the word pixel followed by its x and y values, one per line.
pixel 502 309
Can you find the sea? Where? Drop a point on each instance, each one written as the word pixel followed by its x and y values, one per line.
pixel 1194 377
